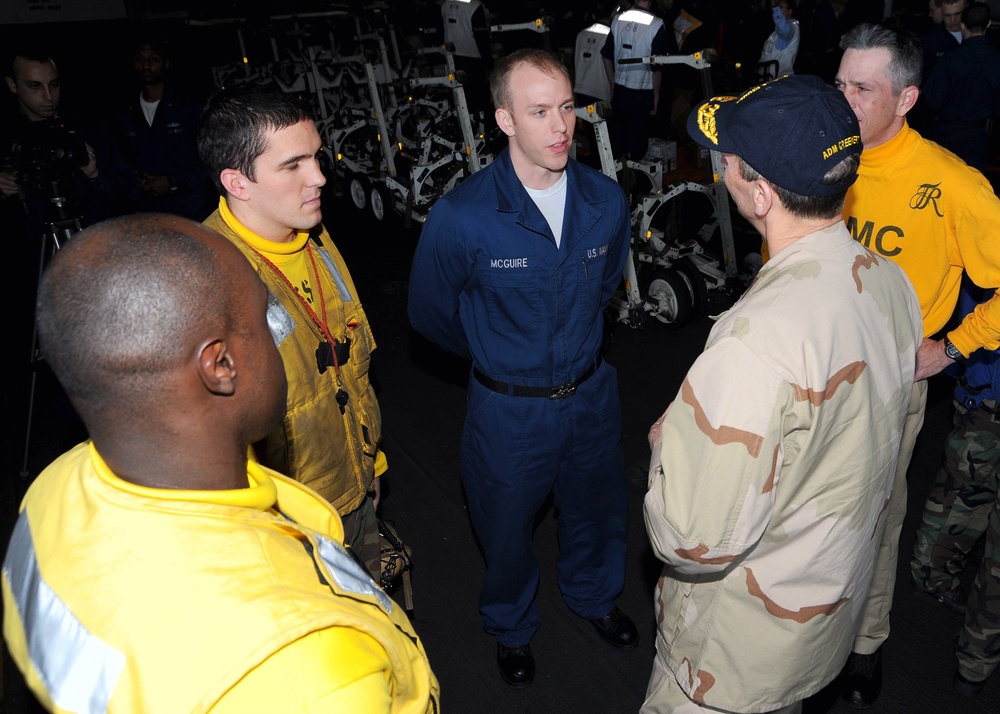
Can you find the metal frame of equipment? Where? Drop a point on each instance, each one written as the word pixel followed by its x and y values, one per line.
pixel 666 277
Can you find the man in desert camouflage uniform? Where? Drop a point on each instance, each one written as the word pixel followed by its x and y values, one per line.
pixel 771 469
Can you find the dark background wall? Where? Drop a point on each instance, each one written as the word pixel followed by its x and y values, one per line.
pixel 93 54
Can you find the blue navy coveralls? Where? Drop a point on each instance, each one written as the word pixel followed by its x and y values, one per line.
pixel 489 284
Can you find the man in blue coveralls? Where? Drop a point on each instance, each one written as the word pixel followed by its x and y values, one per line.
pixel 513 270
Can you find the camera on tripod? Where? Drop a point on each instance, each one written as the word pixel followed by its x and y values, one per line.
pixel 44 154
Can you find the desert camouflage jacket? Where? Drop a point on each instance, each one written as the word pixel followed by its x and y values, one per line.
pixel 770 471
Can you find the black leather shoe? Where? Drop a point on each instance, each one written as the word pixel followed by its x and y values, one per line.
pixel 517 665
pixel 966 687
pixel 861 679
pixel 616 628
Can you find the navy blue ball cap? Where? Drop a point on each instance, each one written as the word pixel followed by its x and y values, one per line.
pixel 792 130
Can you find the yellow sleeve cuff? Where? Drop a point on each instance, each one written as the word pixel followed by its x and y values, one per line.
pixel 980 328
pixel 381 464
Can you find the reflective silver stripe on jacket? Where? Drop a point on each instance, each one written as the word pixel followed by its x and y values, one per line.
pixel 350 576
pixel 345 294
pixel 279 321
pixel 79 671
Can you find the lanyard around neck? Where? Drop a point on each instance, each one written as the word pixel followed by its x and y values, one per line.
pixel 321 322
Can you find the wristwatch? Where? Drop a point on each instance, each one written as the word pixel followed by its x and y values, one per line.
pixel 952 352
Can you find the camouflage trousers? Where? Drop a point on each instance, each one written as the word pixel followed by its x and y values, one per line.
pixel 361 536
pixel 962 507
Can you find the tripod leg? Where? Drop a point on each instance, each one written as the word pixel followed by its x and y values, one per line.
pixel 27 435
pixel 49 242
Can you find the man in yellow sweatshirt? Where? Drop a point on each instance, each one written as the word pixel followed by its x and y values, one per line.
pixel 924 208
pixel 154 568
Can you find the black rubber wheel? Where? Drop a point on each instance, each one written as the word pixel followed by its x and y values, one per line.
pixel 357 188
pixel 697 286
pixel 380 201
pixel 670 292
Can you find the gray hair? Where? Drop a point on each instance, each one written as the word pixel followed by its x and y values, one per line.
pixel 810 206
pixel 907 58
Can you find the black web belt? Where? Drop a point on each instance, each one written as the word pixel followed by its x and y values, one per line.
pixel 517 390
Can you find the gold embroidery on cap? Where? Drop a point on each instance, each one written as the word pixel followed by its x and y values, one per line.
pixel 706 117
pixel 840 146
pixel 750 91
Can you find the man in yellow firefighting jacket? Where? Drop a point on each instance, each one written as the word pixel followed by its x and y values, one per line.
pixel 262 150
pixel 155 568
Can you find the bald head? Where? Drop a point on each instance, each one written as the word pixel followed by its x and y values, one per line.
pixel 156 326
pixel 118 305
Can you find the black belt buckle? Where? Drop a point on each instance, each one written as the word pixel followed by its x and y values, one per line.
pixel 516 390
pixel 566 390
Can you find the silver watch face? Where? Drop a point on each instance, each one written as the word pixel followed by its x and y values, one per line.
pixel 952 351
